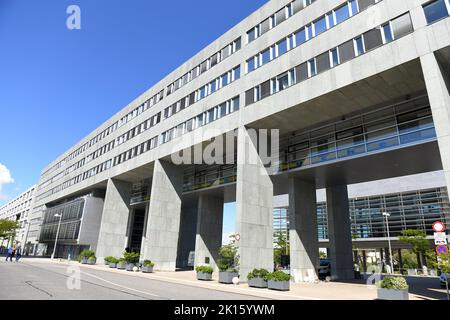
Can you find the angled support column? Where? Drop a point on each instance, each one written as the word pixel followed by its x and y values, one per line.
pixel 163 225
pixel 254 208
pixel 438 89
pixel 339 233
pixel 114 227
pixel 186 239
pixel 303 235
pixel 209 230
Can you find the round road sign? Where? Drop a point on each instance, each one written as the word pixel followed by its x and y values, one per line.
pixel 237 237
pixel 441 250
pixel 438 226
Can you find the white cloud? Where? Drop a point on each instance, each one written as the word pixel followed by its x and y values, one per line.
pixel 5 178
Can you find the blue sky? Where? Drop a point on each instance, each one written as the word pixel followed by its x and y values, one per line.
pixel 57 85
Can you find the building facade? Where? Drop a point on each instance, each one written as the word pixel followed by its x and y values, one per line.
pixel 19 209
pixel 357 91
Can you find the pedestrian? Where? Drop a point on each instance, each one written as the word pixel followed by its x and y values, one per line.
pixel 13 251
pixel 10 253
pixel 18 252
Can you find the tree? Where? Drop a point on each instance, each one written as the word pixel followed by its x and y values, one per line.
pixel 417 239
pixel 8 228
pixel 281 246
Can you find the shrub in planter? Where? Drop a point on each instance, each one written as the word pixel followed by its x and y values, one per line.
pixel 132 258
pixel 204 273
pixel 227 263
pixel 121 264
pixel 278 280
pixel 147 266
pixel 107 260
pixel 92 260
pixel 392 288
pixel 85 255
pixel 113 262
pixel 258 278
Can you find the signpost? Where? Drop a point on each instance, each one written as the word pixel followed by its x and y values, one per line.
pixel 440 238
pixel 438 226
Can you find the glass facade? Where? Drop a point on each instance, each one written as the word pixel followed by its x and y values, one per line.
pixel 72 213
pixel 394 126
pixel 408 210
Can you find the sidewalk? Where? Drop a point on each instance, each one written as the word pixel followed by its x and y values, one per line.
pixel 314 291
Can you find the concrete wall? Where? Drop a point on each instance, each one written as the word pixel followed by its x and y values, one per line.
pixel 113 236
pixel 163 225
pixel 90 223
pixel 254 209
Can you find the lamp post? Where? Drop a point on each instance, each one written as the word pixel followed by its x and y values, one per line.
pixel 387 215
pixel 26 237
pixel 57 233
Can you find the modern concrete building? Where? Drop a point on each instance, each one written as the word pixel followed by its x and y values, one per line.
pixel 19 209
pixel 357 89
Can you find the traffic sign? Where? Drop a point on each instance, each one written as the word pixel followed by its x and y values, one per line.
pixel 441 249
pixel 237 237
pixel 440 238
pixel 438 226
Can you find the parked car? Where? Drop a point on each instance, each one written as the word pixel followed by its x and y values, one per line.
pixel 442 279
pixel 324 268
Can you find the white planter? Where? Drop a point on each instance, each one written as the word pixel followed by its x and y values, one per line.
pixel 204 276
pixel 278 285
pixel 147 269
pixel 389 294
pixel 257 283
pixel 227 277
pixel 112 265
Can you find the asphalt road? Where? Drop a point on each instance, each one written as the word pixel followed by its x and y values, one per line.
pixel 29 280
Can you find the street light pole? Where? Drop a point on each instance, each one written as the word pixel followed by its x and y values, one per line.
pixel 57 233
pixel 386 215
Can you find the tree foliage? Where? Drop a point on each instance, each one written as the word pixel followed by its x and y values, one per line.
pixel 417 239
pixel 8 228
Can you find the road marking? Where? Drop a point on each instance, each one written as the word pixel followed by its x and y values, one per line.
pixel 118 285
pixel 39 289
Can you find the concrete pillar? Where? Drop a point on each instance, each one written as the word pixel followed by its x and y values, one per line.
pixel 364 260
pixel 114 227
pixel 303 235
pixel 164 214
pixel 400 260
pixel 438 94
pixel 339 233
pixel 209 230
pixel 186 240
pixel 254 216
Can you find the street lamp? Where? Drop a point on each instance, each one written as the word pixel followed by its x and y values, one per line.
pixel 57 233
pixel 387 215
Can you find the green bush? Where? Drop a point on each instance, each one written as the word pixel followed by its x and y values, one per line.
pixel 278 276
pixel 92 258
pixel 108 259
pixel 258 273
pixel 121 260
pixel 393 283
pixel 131 257
pixel 86 254
pixel 148 263
pixel 228 258
pixel 113 260
pixel 204 269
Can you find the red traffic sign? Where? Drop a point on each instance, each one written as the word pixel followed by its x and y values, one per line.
pixel 237 237
pixel 441 250
pixel 438 226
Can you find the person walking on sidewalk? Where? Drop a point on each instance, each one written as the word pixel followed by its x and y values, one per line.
pixel 10 253
pixel 18 252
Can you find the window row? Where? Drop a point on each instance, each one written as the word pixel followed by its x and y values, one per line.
pixel 355 47
pixel 208 89
pixel 99 152
pixel 277 18
pixel 136 151
pixel 205 66
pixel 144 126
pixel 436 10
pixel 202 119
pixel 327 21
